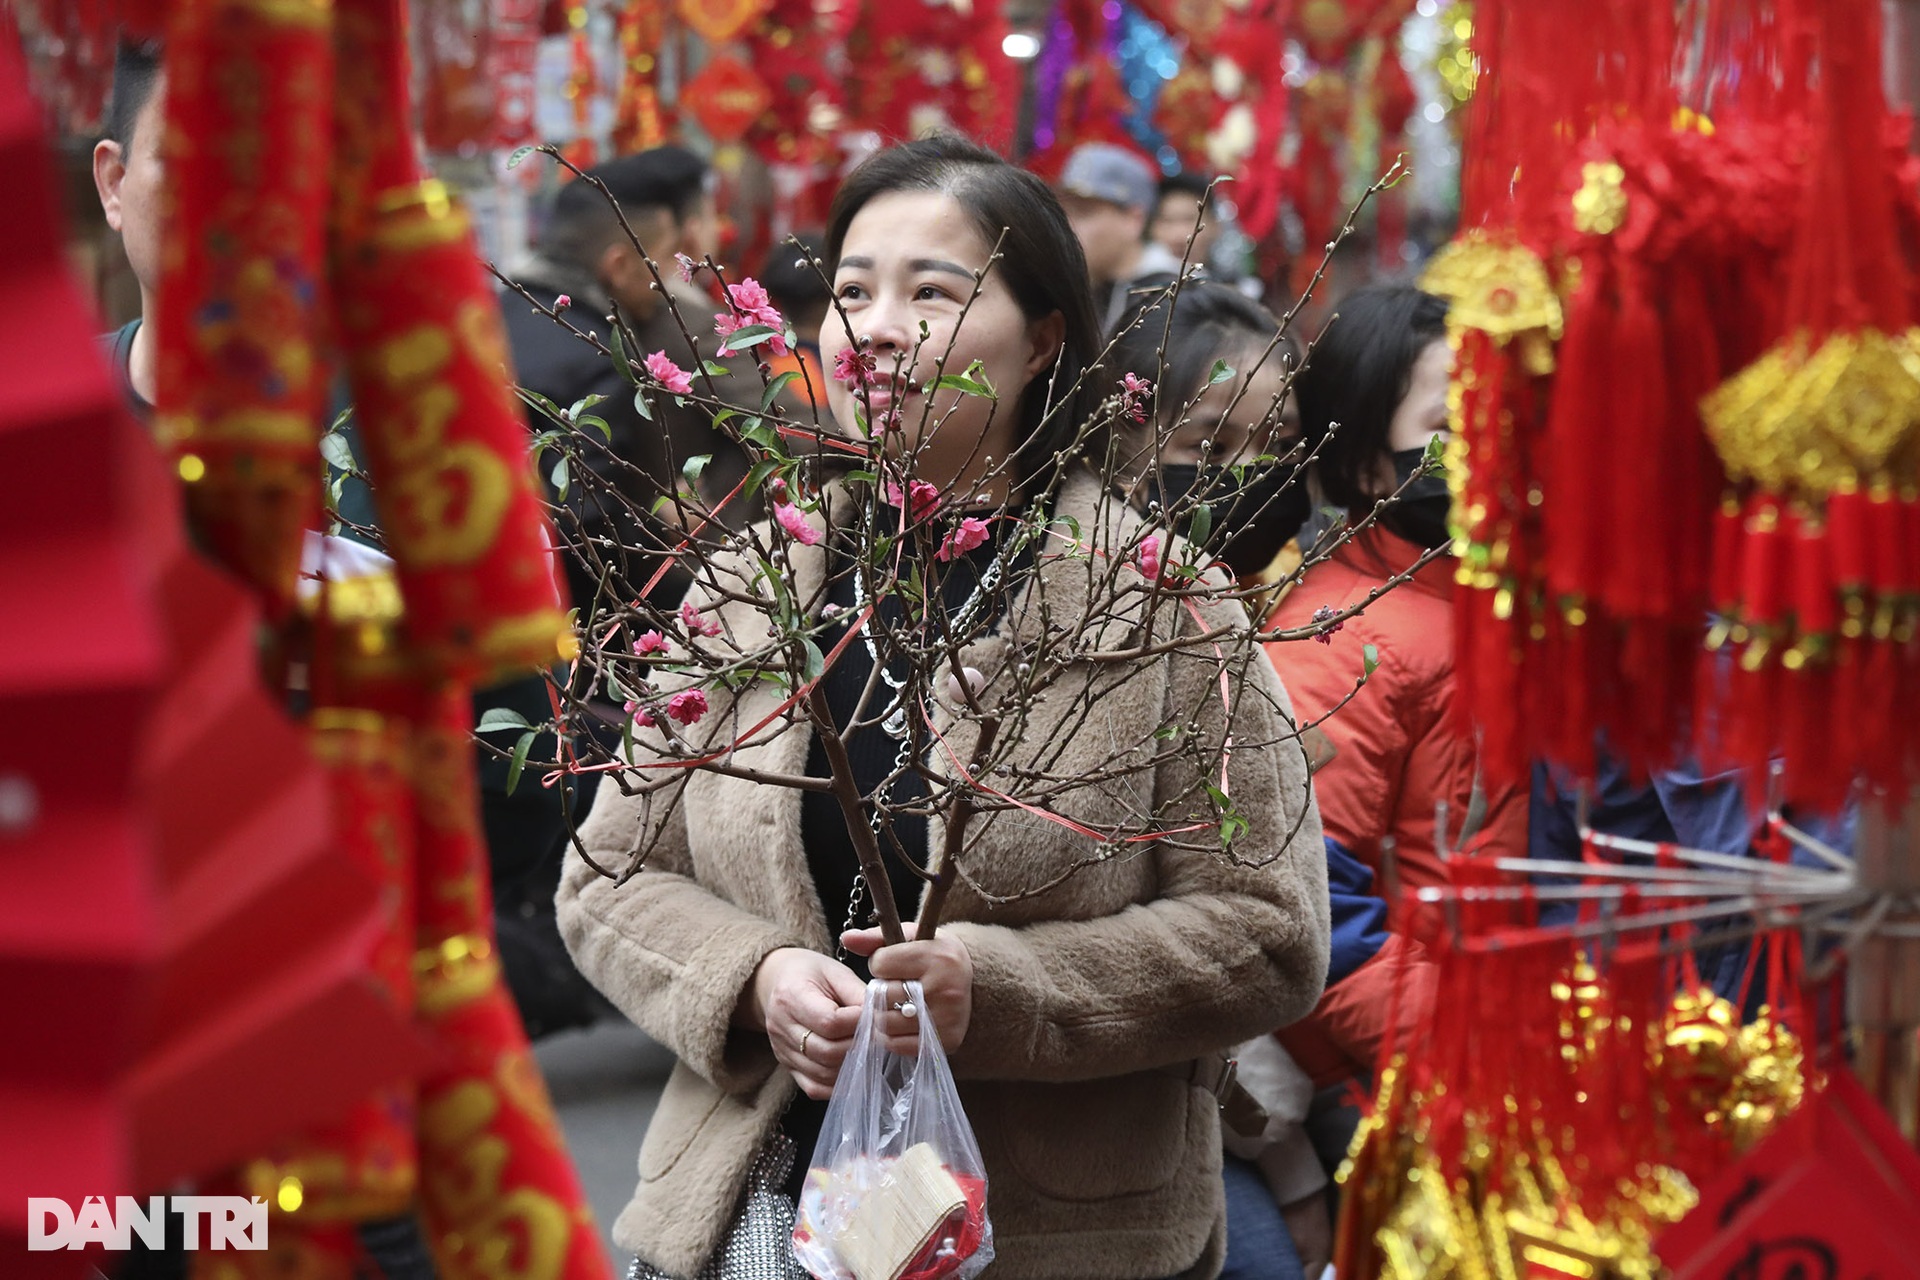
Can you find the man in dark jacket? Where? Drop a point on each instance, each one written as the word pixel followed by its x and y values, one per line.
pixel 588 258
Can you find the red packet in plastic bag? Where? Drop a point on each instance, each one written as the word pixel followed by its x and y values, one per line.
pixel 896 1189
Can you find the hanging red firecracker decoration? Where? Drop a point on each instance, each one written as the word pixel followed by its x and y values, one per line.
pixel 1351 110
pixel 242 373
pixel 799 50
pixel 640 119
pixel 512 49
pixel 1248 139
pixel 583 82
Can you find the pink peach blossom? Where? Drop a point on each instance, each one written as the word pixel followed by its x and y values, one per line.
pixel 922 497
pixel 751 306
pixel 794 521
pixel 650 642
pixel 687 706
pixel 970 534
pixel 856 367
pixel 669 375
pixel 1149 557
pixel 695 624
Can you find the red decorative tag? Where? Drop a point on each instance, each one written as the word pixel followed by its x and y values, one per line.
pixel 726 98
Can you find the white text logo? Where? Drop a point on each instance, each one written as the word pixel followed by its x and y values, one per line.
pixel 211 1222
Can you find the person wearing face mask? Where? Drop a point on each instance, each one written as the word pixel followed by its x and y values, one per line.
pixel 1196 443
pixel 1072 1019
pixel 1226 445
pixel 1373 399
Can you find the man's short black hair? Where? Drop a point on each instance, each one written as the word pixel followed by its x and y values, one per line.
pixel 1197 185
pixel 797 287
pixel 582 224
pixel 136 70
pixel 680 170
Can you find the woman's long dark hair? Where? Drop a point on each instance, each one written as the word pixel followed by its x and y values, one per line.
pixel 1040 259
pixel 1357 375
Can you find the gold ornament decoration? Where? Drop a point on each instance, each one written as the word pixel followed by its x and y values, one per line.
pixel 1600 205
pixel 1812 421
pixel 1501 288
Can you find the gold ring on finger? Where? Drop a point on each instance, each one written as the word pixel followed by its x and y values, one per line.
pixel 804 1033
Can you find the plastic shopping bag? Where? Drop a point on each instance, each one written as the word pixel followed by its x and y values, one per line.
pixel 896 1190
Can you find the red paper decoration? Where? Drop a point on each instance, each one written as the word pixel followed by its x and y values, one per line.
pixel 176 924
pixel 719 21
pixel 1834 1192
pixel 726 98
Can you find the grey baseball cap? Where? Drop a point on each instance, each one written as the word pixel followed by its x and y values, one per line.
pixel 1102 171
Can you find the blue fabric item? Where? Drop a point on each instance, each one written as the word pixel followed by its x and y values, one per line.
pixel 1359 914
pixel 1680 805
pixel 1258 1246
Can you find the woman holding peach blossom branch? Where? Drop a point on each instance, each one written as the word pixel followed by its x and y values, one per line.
pixel 1094 892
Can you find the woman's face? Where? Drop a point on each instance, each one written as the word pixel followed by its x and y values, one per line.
pixel 907 269
pixel 1233 422
pixel 1422 414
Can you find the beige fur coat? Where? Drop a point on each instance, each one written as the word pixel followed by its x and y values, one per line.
pixel 1100 1165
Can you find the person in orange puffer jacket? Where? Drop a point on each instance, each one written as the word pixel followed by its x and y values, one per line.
pixel 1401 767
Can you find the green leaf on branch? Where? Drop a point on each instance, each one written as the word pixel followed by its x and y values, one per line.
pixel 973 382
pixel 338 453
pixel 1232 827
pixel 641 406
pixel 583 404
pixel 1220 372
pixel 620 359
pixel 519 761
pixel 714 369
pixel 1201 525
pixel 748 337
pixel 695 466
pixel 775 387
pixel 561 475
pixel 761 432
pixel 501 718
pixel 519 154
pixel 598 423
pixel 816 660
pixel 1369 659
pixel 548 409
pixel 758 475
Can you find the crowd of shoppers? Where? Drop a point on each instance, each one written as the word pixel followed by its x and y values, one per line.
pixel 1061 1018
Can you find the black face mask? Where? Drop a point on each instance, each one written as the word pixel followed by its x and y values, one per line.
pixel 1419 514
pixel 1252 518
